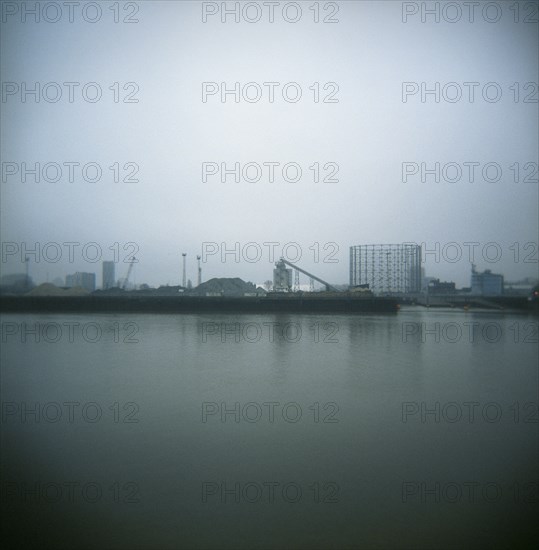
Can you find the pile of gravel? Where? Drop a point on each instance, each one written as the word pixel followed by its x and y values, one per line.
pixel 226 287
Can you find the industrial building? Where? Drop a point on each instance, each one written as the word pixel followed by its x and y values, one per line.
pixel 108 275
pixel 437 287
pixel 386 268
pixel 84 280
pixel 486 283
pixel 282 277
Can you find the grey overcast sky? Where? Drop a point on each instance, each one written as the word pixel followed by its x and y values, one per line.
pixel 369 132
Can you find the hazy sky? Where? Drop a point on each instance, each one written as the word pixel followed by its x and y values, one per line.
pixel 368 133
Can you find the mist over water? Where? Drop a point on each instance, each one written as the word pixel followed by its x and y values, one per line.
pixel 165 155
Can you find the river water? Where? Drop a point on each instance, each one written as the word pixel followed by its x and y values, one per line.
pixel 415 430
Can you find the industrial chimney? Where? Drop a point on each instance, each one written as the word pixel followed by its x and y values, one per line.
pixel 184 283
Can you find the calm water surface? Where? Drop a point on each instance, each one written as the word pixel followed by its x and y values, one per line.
pixel 417 430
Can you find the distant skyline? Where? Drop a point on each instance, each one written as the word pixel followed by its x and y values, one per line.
pixel 304 282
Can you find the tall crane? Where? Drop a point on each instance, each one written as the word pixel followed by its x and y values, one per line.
pixel 326 284
pixel 132 262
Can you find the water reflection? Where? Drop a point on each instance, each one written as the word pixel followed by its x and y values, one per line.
pixel 352 431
